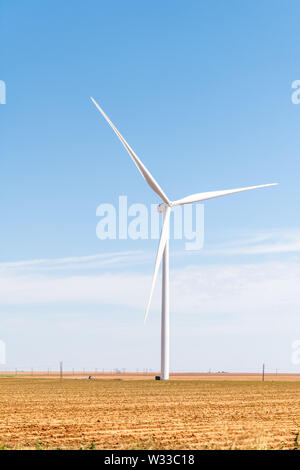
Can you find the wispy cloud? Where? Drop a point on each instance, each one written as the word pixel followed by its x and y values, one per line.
pixel 239 289
pixel 264 244
pixel 256 289
pixel 244 288
pixel 75 263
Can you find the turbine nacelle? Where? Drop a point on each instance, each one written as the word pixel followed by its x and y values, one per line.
pixel 161 208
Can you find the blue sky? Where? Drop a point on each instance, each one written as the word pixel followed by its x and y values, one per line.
pixel 202 92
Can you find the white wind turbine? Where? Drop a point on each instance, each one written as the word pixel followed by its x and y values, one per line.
pixel 163 247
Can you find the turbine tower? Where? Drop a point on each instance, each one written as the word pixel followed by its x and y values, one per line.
pixel 163 247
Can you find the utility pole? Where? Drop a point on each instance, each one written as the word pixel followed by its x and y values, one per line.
pixel 263 373
pixel 61 369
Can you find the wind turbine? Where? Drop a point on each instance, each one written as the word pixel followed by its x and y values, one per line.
pixel 163 247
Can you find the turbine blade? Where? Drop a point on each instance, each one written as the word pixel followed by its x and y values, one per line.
pixel 212 194
pixel 143 170
pixel 162 243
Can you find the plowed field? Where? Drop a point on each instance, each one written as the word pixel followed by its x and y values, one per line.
pixel 51 413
